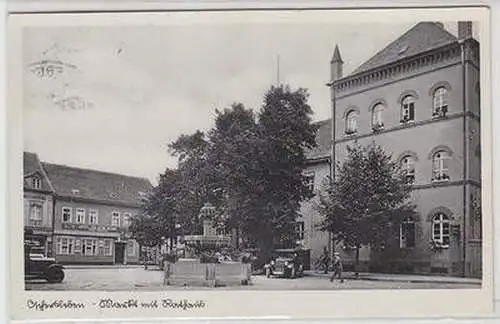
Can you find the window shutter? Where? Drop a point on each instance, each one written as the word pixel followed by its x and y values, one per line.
pixel 412 111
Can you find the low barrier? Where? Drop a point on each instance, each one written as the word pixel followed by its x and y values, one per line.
pixel 193 273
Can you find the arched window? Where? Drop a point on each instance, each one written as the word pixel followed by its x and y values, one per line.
pixel 440 162
pixel 440 102
pixel 441 229
pixel 351 122
pixel 377 120
pixel 408 109
pixel 408 167
pixel 407 233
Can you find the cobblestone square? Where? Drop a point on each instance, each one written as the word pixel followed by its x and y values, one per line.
pixel 139 279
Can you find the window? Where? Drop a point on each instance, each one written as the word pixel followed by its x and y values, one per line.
pixel 300 230
pixel 78 246
pixel 36 182
pixel 408 109
pixel 440 102
pixel 66 214
pixel 351 122
pixel 408 167
pixel 36 212
pixel 308 179
pixel 130 248
pixel 441 229
pixel 93 216
pixel 89 247
pixel 126 219
pixel 115 218
pixel 107 248
pixel 80 215
pixel 476 224
pixel 407 233
pixel 65 245
pixel 377 121
pixel 440 166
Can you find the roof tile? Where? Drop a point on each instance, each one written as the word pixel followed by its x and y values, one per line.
pixel 91 184
pixel 422 37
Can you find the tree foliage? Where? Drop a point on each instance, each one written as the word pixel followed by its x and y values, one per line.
pixel 249 165
pixel 367 200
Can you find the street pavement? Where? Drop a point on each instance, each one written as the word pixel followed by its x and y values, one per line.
pixel 138 279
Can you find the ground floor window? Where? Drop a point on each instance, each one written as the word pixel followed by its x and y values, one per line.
pixel 107 247
pixel 407 233
pixel 90 247
pixel 441 229
pixel 65 245
pixel 78 246
pixel 300 230
pixel 130 248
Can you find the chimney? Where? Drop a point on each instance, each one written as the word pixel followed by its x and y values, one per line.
pixel 336 65
pixel 464 30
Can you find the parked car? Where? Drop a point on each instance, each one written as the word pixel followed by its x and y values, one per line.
pixel 38 266
pixel 287 263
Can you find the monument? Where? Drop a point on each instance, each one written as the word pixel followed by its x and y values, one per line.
pixel 205 260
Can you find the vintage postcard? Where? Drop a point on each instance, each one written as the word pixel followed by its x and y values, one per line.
pixel 282 164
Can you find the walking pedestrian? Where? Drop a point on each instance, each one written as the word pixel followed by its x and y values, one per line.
pixel 325 260
pixel 337 268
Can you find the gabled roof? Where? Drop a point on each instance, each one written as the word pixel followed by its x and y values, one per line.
pixel 96 185
pixel 323 141
pixel 31 168
pixel 422 37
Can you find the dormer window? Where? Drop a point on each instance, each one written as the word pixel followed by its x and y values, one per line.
pixel 36 182
pixel 75 191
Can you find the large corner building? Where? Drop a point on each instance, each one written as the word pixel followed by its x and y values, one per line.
pixel 419 98
pixel 80 215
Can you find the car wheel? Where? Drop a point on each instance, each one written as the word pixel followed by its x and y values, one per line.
pixel 268 272
pixel 55 276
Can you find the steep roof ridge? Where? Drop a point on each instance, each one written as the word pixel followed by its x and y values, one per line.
pixel 39 169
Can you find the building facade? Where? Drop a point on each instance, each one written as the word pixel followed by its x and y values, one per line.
pixel 419 99
pixel 85 214
pixel 38 203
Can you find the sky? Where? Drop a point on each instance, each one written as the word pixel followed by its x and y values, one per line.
pixel 138 88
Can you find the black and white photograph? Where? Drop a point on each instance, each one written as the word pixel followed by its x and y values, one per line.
pixel 253 156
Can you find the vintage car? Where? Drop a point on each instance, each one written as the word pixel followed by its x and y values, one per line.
pixel 286 263
pixel 39 266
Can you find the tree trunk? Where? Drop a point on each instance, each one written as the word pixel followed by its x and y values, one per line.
pixel 356 265
pixel 237 238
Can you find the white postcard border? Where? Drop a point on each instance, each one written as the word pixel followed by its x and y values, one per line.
pixel 238 304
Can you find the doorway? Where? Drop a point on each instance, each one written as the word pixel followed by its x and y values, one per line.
pixel 119 253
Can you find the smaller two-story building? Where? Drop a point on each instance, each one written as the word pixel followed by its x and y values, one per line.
pixel 38 203
pixel 92 212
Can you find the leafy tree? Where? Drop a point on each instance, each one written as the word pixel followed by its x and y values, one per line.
pixel 233 157
pixel 160 211
pixel 285 124
pixel 368 199
pixel 145 230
